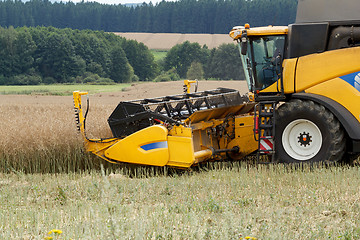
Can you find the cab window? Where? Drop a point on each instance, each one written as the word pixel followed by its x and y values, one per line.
pixel 266 57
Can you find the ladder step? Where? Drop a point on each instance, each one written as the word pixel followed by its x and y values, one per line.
pixel 265 126
pixel 266 137
pixel 266 114
pixel 266 152
pixel 269 99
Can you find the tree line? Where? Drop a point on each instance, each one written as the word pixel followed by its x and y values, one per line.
pixel 52 55
pixel 36 55
pixel 190 60
pixel 183 16
pixel 31 56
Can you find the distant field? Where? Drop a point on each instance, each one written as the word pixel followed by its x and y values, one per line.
pixel 159 54
pixel 166 41
pixel 60 89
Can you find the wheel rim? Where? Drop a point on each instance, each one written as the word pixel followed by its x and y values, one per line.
pixel 302 139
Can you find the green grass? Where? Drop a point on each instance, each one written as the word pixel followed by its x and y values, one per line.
pixel 158 54
pixel 227 202
pixel 61 89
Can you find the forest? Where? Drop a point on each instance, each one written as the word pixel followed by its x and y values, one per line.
pixel 43 42
pixel 46 55
pixel 50 55
pixel 183 16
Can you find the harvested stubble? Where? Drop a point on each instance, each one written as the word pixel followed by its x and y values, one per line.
pixel 232 202
pixel 38 135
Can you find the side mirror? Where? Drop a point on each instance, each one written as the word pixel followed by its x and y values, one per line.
pixel 243 44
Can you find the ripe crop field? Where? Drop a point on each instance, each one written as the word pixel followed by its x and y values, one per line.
pixel 48 182
pixel 165 41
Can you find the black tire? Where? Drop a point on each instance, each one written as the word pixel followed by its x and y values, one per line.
pixel 297 128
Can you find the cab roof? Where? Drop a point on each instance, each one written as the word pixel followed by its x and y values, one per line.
pixel 236 32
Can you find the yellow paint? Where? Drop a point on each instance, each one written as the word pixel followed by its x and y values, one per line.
pixel 340 91
pixel 180 131
pixel 181 151
pixel 244 136
pixel 204 125
pixel 236 32
pixel 314 69
pixel 181 148
pixel 203 154
pixel 129 149
pixel 77 105
pixel 187 84
pixel 218 113
pixel 251 96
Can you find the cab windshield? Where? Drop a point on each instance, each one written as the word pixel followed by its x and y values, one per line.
pixel 262 63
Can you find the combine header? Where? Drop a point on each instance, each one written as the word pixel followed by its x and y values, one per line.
pixel 132 116
pixel 178 131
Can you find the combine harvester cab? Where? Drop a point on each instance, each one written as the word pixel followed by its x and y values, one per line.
pixel 178 131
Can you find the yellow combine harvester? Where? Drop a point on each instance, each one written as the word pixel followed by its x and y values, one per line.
pixel 177 131
pixel 304 84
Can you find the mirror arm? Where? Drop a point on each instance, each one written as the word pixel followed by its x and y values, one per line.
pixel 244 40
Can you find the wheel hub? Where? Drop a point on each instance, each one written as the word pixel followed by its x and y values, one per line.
pixel 304 139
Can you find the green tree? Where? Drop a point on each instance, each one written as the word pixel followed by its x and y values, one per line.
pixel 141 59
pixel 120 70
pixel 25 48
pixel 7 51
pixel 183 16
pixel 195 71
pixel 93 50
pixel 182 55
pixel 225 63
pixel 58 59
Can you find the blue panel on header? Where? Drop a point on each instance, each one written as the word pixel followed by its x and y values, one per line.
pixel 353 79
pixel 154 145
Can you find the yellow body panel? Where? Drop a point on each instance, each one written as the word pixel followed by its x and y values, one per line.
pixel 180 131
pixel 244 136
pixel 317 68
pixel 181 148
pixel 340 91
pixel 236 32
pixel 99 147
pixel 176 147
pixel 181 151
pixel 130 148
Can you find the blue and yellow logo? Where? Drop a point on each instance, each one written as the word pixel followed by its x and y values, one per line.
pixel 353 79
